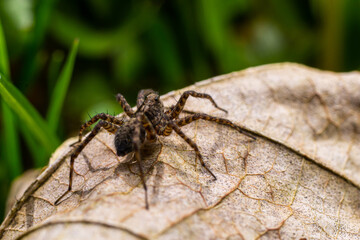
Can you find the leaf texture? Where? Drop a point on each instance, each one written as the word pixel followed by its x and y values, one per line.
pixel 299 180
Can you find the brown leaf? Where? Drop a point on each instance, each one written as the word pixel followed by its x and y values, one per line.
pixel 299 179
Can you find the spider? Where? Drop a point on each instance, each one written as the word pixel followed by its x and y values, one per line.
pixel 149 120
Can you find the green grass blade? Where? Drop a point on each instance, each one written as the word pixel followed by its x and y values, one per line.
pixel 30 117
pixel 11 142
pixel 54 69
pixel 58 95
pixel 10 135
pixel 4 61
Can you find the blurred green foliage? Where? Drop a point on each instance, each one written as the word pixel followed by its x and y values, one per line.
pixel 129 45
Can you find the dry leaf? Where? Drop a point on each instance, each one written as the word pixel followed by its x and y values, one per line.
pixel 299 179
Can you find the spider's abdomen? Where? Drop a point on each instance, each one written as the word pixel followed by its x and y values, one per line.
pixel 124 138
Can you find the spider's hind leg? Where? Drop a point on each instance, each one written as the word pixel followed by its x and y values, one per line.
pixel 194 146
pixel 186 120
pixel 110 127
pixel 179 106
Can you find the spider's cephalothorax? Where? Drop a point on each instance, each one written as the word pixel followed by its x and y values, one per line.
pixel 149 120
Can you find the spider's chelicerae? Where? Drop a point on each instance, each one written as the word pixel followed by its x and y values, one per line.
pixel 149 120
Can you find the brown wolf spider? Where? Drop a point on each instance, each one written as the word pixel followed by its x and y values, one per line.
pixel 149 120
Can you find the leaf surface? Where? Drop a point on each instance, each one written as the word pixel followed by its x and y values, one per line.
pixel 299 179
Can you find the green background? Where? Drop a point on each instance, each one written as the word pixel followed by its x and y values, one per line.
pixel 125 46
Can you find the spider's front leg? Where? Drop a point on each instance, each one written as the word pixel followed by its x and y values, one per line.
pixel 94 119
pixel 137 142
pixel 179 106
pixel 150 131
pixel 125 105
pixel 110 127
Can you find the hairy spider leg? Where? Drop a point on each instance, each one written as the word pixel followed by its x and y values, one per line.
pixel 142 96
pixel 94 119
pixel 169 110
pixel 137 144
pixel 150 131
pixel 179 106
pixel 193 145
pixel 125 105
pixel 110 127
pixel 186 120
